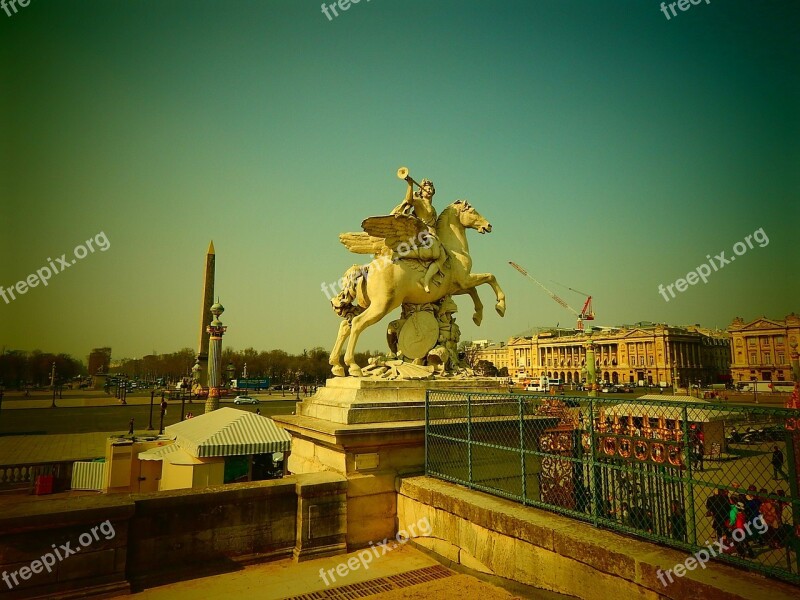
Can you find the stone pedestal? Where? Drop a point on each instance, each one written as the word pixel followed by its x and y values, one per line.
pixel 370 431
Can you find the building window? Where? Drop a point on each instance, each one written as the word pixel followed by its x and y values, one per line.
pixel 765 341
pixel 652 361
pixel 779 340
pixel 767 358
pixel 753 360
pixel 780 358
pixel 751 341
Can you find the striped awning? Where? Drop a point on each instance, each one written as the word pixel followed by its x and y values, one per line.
pixel 229 432
pixel 172 454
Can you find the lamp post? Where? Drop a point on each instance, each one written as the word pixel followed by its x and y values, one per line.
pixel 163 412
pixel 53 384
pixel 230 371
pixel 150 426
pixel 297 386
pixel 674 376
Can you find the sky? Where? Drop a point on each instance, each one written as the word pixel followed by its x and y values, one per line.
pixel 611 148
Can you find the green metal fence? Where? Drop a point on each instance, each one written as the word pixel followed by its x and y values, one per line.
pixel 677 472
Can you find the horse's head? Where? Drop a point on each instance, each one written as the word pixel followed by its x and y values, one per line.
pixel 471 218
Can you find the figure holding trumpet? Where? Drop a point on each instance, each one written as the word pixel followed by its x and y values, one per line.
pixel 420 205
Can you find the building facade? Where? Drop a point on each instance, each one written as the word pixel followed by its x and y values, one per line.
pixel 497 354
pixel 761 348
pixel 654 354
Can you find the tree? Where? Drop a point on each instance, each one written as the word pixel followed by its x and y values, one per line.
pixel 486 369
pixel 468 352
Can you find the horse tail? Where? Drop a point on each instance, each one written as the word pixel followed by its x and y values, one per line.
pixel 343 303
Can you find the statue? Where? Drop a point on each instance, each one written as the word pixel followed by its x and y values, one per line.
pixel 412 248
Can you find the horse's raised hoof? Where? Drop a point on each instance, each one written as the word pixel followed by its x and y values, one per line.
pixel 477 318
pixel 500 307
pixel 355 371
pixel 338 371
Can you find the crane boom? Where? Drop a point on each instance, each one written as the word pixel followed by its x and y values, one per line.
pixel 541 285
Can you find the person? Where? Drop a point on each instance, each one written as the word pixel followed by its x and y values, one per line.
pixel 777 462
pixel 770 514
pixel 130 427
pixel 258 411
pixel 737 521
pixel 420 205
pixel 752 506
pixel 677 522
pixel 625 514
pixel 699 450
pixel 718 508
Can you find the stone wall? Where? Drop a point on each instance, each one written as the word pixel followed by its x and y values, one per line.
pixel 548 551
pixel 147 539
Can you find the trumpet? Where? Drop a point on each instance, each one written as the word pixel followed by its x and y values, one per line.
pixel 402 173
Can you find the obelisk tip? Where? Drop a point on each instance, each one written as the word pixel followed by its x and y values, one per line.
pixel 211 248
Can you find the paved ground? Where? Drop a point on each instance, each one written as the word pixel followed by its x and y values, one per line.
pixel 287 579
pixel 113 418
pixel 27 449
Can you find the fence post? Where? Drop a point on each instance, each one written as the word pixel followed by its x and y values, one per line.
pixel 522 448
pixel 427 430
pixel 469 438
pixel 596 492
pixel 687 452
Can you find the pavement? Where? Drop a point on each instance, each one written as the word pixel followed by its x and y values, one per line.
pixel 30 449
pixel 404 572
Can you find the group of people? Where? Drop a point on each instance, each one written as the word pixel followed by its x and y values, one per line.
pixel 730 511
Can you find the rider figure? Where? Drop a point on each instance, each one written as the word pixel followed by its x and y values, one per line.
pixel 420 204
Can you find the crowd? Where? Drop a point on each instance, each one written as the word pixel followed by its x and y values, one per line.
pixel 729 511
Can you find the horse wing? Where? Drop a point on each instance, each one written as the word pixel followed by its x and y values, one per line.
pixel 395 229
pixel 362 243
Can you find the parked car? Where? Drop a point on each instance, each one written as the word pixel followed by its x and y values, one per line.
pixel 245 400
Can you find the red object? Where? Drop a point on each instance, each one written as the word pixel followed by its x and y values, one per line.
pixel 44 485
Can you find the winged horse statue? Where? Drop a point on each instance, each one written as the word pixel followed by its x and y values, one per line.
pixel 409 247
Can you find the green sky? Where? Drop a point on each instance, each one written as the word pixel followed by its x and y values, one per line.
pixel 611 149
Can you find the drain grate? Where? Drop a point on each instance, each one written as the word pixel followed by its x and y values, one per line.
pixel 376 586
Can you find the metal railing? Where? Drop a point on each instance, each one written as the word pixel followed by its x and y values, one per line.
pixel 680 473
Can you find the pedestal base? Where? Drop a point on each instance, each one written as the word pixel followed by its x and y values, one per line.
pixel 354 400
pixel 370 431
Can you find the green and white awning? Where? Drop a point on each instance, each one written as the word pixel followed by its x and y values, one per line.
pixel 229 432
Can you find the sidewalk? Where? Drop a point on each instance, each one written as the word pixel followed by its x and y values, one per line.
pixel 29 449
pixel 402 573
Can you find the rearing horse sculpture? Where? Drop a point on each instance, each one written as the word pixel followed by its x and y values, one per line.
pixel 370 293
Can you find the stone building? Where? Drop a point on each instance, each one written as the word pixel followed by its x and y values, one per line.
pixel 761 348
pixel 497 354
pixel 651 353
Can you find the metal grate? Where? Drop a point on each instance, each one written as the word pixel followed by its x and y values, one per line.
pixel 372 587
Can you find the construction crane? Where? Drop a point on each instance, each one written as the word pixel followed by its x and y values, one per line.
pixel 586 314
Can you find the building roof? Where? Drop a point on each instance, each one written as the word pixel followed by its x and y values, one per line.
pixel 229 432
pixel 674 413
pixel 172 453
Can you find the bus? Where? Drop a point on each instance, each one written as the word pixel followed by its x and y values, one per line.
pixel 250 384
pixel 543 384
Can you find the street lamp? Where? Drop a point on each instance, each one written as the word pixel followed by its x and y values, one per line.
pixel 230 371
pixel 53 384
pixel 674 376
pixel 297 385
pixel 150 425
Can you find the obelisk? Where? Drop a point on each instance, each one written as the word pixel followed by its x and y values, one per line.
pixel 208 301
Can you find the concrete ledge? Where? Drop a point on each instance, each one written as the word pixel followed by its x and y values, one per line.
pixel 546 550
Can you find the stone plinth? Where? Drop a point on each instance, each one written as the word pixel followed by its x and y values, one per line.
pixel 354 400
pixel 370 431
